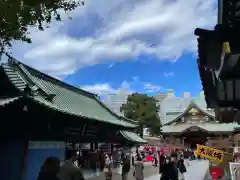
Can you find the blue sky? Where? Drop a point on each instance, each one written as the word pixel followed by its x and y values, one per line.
pixel 181 76
pixel 140 45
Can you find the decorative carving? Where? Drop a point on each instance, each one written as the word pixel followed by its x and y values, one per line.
pixel 182 118
pixel 193 129
pixel 193 111
pixel 206 118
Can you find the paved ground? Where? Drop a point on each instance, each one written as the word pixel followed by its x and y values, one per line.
pixel 195 171
pixel 148 171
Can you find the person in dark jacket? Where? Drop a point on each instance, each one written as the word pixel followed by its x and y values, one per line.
pixel 49 169
pixel 155 160
pixel 182 168
pixel 126 164
pixel 162 160
pixel 168 170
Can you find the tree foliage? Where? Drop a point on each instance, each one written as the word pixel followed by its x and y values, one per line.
pixel 16 16
pixel 144 109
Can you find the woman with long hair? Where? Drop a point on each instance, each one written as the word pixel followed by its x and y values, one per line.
pixel 49 169
pixel 182 168
pixel 168 170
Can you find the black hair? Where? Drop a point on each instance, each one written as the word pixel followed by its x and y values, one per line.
pixel 50 164
pixel 71 153
pixel 168 158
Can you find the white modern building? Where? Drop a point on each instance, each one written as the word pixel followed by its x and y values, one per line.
pixel 168 102
pixel 115 101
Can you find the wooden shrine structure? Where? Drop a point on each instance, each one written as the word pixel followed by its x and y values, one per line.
pixel 40 114
pixel 194 126
pixel 219 62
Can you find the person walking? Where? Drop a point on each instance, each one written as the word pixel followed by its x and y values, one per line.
pixel 101 157
pixel 168 170
pixel 126 164
pixel 138 168
pixel 174 160
pixel 49 169
pixel 162 160
pixel 182 168
pixel 108 168
pixel 155 160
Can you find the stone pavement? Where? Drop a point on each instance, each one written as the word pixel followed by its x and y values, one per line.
pixel 149 170
pixel 195 171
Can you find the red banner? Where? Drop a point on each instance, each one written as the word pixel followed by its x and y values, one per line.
pixel 216 173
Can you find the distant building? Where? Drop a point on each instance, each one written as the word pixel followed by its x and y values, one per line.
pixel 115 101
pixel 187 121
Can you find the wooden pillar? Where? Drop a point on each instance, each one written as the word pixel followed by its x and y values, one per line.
pixel 92 146
pixel 96 146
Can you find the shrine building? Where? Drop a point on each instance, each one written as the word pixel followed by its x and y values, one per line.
pixel 187 121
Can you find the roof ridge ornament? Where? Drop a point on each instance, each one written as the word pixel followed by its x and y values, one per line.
pixel 48 94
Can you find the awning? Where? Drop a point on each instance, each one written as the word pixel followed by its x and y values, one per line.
pixel 131 136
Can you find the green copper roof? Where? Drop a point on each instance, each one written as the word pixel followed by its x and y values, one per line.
pixel 175 107
pixel 6 101
pixel 210 127
pixel 131 136
pixel 64 97
pixel 170 117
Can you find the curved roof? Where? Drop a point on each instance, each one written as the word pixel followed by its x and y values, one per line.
pixel 186 104
pixel 131 136
pixel 60 96
pixel 209 127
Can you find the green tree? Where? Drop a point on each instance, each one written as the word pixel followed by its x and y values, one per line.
pixel 16 16
pixel 144 109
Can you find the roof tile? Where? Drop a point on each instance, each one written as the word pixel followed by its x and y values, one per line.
pixel 67 98
pixel 175 106
pixel 211 127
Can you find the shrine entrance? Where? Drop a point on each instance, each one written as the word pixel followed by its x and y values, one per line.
pixel 191 139
pixel 194 141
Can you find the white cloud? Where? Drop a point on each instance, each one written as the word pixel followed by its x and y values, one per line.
pixel 99 88
pixel 169 74
pixel 105 88
pixel 135 78
pixel 126 87
pixel 149 87
pixel 116 30
pixel 110 65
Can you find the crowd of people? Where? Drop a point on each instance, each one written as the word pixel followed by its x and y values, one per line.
pixel 171 167
pixel 54 169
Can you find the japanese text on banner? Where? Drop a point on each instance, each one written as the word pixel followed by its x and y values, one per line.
pixel 210 153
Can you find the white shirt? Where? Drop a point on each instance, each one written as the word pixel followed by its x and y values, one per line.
pixel 107 163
